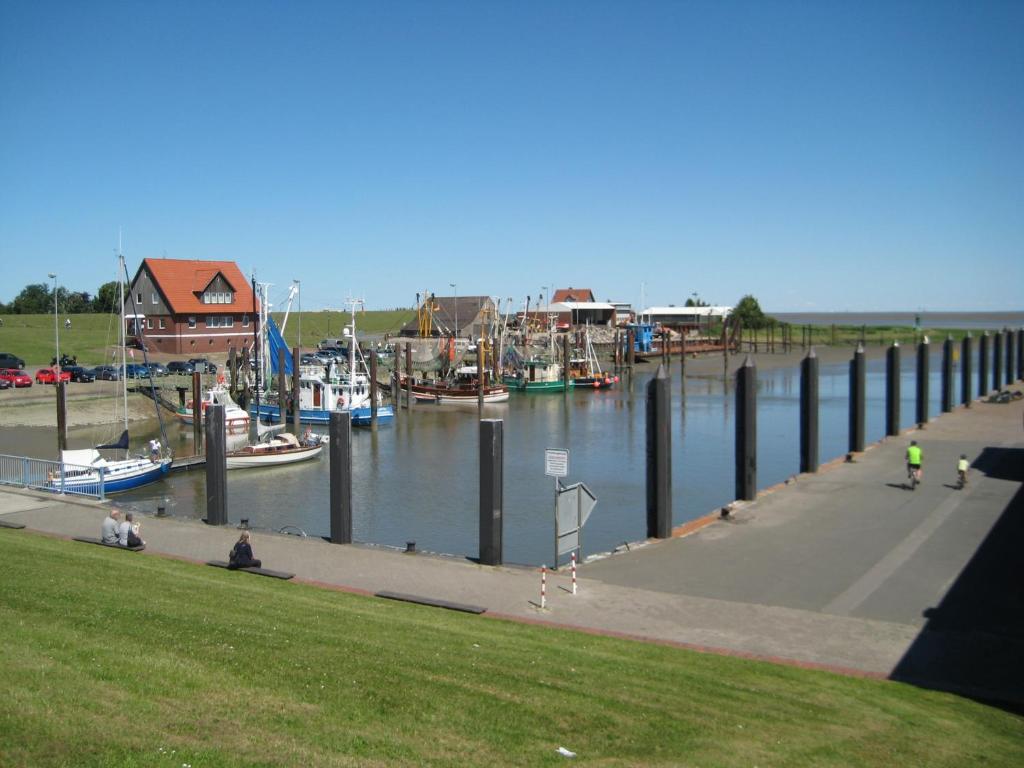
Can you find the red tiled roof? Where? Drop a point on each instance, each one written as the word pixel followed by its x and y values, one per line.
pixel 572 294
pixel 182 282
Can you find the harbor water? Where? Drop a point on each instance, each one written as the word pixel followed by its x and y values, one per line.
pixel 417 479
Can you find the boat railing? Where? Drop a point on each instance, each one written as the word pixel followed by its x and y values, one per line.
pixel 52 476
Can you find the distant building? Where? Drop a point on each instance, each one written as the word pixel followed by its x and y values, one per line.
pixel 463 317
pixel 678 317
pixel 183 306
pixel 572 295
pixel 623 312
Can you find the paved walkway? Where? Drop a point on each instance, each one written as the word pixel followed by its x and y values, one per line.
pixel 845 569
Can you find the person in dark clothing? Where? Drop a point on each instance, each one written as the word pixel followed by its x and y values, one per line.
pixel 241 554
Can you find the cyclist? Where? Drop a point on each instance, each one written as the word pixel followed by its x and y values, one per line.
pixel 961 469
pixel 914 462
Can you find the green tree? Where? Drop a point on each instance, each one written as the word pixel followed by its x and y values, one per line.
pixel 749 313
pixel 34 299
pixel 107 298
pixel 695 301
pixel 75 303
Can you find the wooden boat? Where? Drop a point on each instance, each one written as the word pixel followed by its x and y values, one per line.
pixel 585 371
pixel 282 448
pixel 463 388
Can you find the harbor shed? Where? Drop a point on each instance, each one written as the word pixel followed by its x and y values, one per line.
pixel 463 317
pixel 189 306
pixel 684 317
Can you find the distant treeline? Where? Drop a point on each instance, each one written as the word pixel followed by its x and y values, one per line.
pixel 37 299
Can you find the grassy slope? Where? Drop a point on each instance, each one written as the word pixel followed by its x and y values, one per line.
pixel 31 337
pixel 116 659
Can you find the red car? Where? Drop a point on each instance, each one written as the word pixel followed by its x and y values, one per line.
pixel 16 377
pixel 48 376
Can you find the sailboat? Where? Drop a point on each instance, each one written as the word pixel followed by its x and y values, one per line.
pixel 85 469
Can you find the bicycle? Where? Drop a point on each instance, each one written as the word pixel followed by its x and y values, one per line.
pixel 914 475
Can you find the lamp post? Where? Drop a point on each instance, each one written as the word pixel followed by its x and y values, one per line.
pixel 56 327
pixel 455 288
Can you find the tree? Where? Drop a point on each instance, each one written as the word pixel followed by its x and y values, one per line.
pixel 749 313
pixel 695 301
pixel 34 299
pixel 75 303
pixel 107 298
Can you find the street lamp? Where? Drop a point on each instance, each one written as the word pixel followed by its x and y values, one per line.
pixel 56 328
pixel 455 288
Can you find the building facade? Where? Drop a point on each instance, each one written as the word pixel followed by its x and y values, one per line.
pixel 190 307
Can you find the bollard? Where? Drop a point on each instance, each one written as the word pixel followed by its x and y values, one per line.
pixel 809 413
pixel 341 477
pixel 892 390
pixel 282 400
pixel 922 382
pixel 857 387
pixel 983 364
pixel 947 375
pixel 659 457
pixel 997 361
pixel 296 389
pixel 746 431
pixel 491 490
pixel 216 466
pixel 965 369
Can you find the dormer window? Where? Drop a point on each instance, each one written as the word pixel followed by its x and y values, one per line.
pixel 218 297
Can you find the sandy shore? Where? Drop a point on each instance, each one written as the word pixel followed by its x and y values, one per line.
pixel 712 364
pixel 88 405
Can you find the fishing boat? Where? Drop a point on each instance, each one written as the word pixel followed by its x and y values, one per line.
pixel 334 388
pixel 461 388
pixel 86 470
pixel 279 449
pixel 585 370
pixel 536 375
pixel 236 418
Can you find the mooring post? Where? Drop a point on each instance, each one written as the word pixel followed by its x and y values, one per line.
pixel 62 415
pixel 491 490
pixel 1010 369
pixel 296 389
pixel 892 390
pixel 197 412
pixel 233 370
pixel 947 375
pixel 809 413
pixel 725 351
pixel 983 364
pixel 341 477
pixel 408 375
pixel 282 388
pixel 617 351
pixel 373 389
pixel 216 465
pixel 481 374
pixel 630 349
pixel 923 349
pixel 746 431
pixel 857 398
pixel 682 362
pixel 1020 354
pixel 566 362
pixel 965 369
pixel 659 456
pixel 997 361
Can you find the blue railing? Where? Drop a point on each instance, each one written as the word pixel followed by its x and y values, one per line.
pixel 52 476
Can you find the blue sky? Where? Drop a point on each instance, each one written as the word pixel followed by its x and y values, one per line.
pixel 822 156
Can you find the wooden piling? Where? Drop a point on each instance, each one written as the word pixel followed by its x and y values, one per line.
pixel 62 415
pixel 197 412
pixel 282 388
pixel 373 389
pixel 296 389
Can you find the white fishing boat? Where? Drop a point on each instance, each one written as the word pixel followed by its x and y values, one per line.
pixel 236 418
pixel 279 449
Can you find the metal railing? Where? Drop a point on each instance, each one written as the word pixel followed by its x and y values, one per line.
pixel 52 476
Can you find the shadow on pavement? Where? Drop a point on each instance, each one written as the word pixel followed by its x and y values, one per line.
pixel 973 643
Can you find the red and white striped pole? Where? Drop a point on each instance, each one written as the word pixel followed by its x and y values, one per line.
pixel 574 573
pixel 543 586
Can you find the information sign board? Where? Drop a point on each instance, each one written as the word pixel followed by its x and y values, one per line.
pixel 556 462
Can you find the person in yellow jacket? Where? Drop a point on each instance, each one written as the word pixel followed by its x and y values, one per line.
pixel 914 457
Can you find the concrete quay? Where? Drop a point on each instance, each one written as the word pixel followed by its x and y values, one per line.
pixel 845 569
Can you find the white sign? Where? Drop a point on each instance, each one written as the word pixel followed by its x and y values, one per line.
pixel 556 462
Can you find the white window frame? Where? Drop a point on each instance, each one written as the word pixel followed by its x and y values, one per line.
pixel 163 323
pixel 155 298
pixel 191 321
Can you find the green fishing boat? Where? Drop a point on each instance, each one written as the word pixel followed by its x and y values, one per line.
pixel 536 375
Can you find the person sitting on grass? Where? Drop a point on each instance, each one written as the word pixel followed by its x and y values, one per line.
pixel 110 528
pixel 241 554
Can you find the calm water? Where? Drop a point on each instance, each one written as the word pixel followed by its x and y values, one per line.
pixel 417 479
pixel 963 320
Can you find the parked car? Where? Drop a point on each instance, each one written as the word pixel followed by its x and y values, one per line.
pixel 157 369
pixel 78 373
pixel 7 360
pixel 49 376
pixel 107 372
pixel 5 384
pixel 202 365
pixel 136 371
pixel 181 367
pixel 16 376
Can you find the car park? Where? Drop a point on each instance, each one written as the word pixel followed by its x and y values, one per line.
pixel 49 376
pixel 7 360
pixel 16 377
pixel 180 367
pixel 107 373
pixel 78 373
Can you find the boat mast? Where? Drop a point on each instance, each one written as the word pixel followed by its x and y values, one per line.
pixel 122 270
pixel 353 303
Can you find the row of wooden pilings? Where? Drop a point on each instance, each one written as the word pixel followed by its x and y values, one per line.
pixel 1005 351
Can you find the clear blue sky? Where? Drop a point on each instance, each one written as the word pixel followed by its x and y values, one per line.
pixel 820 155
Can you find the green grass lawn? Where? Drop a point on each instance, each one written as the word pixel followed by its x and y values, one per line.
pixel 118 659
